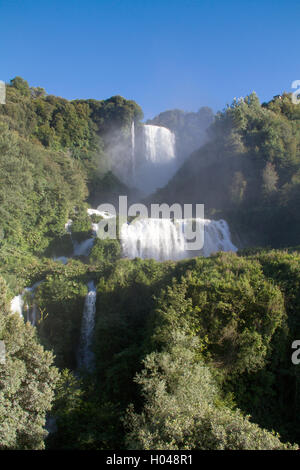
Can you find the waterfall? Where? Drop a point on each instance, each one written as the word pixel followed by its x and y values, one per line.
pixel 85 354
pixel 147 159
pixel 159 144
pixel 16 305
pixel 155 158
pixel 68 226
pixel 133 150
pixel 163 239
pixel 20 304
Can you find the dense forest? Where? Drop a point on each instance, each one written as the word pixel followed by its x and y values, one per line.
pixel 194 354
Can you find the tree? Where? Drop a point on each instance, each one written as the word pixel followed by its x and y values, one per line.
pixel 226 301
pixel 83 421
pixel 183 408
pixel 27 382
pixel 21 85
pixel 37 92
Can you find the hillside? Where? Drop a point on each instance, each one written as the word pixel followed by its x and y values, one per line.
pixel 248 172
pixel 108 352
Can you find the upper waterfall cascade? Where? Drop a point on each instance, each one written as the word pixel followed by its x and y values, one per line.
pixel 159 144
pixel 153 157
pixel 133 150
pixel 163 239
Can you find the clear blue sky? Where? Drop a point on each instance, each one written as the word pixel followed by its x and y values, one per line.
pixel 164 54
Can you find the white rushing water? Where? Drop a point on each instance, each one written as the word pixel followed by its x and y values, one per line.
pixel 68 226
pixel 24 304
pixel 159 144
pixel 156 161
pixel 133 151
pixel 85 354
pixel 16 305
pixel 163 239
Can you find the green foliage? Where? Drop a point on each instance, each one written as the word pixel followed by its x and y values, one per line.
pixel 283 405
pixel 183 407
pixel 81 226
pixel 105 251
pixel 227 302
pixel 113 113
pixel 27 382
pixel 206 337
pixel 82 420
pixel 118 311
pixel 38 190
pixel 107 188
pixel 60 298
pixel 83 129
pixel 21 85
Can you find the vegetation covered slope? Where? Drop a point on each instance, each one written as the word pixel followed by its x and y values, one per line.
pixel 27 382
pixel 189 355
pixel 248 172
pixel 210 342
pixel 53 156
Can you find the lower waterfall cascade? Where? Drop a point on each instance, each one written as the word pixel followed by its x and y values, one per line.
pixel 163 239
pixel 160 239
pixel 85 354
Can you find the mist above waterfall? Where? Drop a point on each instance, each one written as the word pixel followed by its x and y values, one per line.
pixel 143 156
pixel 146 156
